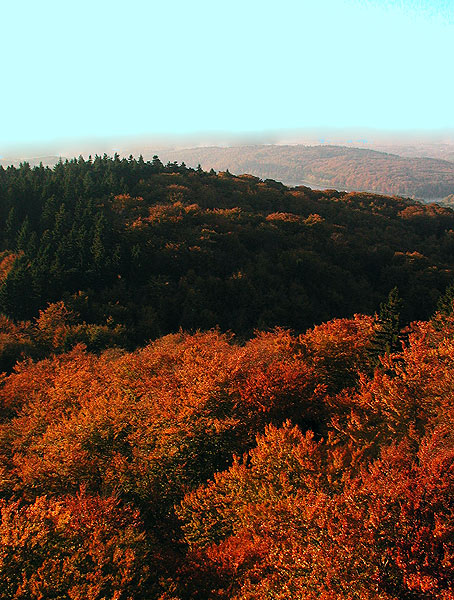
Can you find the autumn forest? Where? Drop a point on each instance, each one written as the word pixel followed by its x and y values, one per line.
pixel 217 387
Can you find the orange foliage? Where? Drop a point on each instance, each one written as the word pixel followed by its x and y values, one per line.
pixel 279 499
pixel 410 395
pixel 366 512
pixel 81 547
pixel 286 217
pixel 338 350
pixel 279 525
pixel 54 323
pixel 7 260
pixel 151 422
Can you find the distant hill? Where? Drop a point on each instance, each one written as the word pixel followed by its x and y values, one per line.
pixel 427 150
pixel 448 201
pixel 336 167
pixel 35 161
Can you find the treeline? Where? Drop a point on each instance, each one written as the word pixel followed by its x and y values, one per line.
pixel 290 466
pixel 136 250
pixel 336 167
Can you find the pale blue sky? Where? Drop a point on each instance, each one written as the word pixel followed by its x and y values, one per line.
pixel 74 70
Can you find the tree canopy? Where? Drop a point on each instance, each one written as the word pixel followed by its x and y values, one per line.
pixel 146 454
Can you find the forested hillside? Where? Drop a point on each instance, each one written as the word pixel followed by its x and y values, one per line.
pixel 153 446
pixel 336 167
pixel 140 249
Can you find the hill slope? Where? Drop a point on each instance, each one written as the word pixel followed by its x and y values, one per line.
pixel 145 249
pixel 329 166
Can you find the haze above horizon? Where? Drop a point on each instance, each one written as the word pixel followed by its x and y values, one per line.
pixel 111 71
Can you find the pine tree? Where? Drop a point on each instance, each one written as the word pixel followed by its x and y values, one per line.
pixel 23 235
pixel 18 297
pixel 157 164
pixel 445 304
pixel 11 227
pixel 388 337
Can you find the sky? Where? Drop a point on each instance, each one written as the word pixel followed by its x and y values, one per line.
pixel 116 69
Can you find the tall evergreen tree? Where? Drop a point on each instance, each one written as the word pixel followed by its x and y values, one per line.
pixel 445 304
pixel 388 337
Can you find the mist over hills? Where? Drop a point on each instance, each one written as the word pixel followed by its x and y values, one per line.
pixel 336 167
pixel 440 151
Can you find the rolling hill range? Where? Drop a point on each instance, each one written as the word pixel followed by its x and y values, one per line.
pixel 336 167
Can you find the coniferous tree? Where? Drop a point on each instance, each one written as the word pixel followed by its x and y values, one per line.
pixel 23 236
pixel 445 304
pixel 10 229
pixel 18 298
pixel 388 337
pixel 157 164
